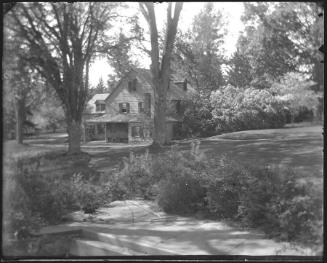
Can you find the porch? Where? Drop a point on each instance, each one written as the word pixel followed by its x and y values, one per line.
pixel 124 128
pixel 112 132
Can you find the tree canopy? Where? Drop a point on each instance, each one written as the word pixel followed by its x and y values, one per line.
pixel 61 39
pixel 279 38
pixel 199 54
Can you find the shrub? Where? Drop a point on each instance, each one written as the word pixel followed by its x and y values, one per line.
pixel 18 219
pixel 87 195
pixel 268 198
pixel 34 198
pixel 136 177
pixel 197 118
pixel 51 197
pixel 183 194
pixel 181 188
pixel 236 109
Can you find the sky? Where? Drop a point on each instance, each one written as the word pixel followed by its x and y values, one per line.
pixel 232 10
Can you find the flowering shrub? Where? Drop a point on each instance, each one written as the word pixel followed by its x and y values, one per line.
pixel 239 109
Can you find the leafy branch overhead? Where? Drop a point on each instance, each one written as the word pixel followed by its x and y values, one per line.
pixel 62 39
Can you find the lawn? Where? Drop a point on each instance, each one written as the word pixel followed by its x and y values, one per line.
pixel 299 147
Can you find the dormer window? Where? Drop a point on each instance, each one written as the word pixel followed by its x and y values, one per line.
pixel 124 107
pixel 100 106
pixel 132 85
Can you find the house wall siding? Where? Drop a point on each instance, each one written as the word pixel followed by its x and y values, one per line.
pixel 123 95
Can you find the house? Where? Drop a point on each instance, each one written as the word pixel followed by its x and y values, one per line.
pixel 126 114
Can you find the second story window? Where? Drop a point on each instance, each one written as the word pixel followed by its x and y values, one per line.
pixel 178 106
pixel 124 107
pixel 141 107
pixel 100 107
pixel 132 85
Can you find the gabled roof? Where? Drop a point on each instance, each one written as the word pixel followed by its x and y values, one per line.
pixel 175 91
pixel 99 96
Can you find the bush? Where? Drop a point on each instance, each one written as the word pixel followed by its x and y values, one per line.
pixel 88 196
pixel 181 195
pixel 34 199
pixel 235 109
pixel 268 198
pixel 136 177
pixel 197 118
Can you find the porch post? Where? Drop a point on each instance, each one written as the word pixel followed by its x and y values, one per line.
pixel 84 132
pixel 105 132
pixel 96 130
pixel 129 132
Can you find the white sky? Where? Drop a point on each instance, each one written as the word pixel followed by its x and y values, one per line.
pixel 231 10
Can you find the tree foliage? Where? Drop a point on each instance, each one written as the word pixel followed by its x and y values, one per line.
pixel 199 53
pixel 22 86
pixel 49 113
pixel 120 57
pixel 62 38
pixel 296 93
pixel 279 38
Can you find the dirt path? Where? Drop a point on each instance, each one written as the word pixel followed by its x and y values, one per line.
pixel 136 227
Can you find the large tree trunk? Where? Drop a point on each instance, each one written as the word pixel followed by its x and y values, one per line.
pixel 74 136
pixel 160 107
pixel 20 117
pixel 161 71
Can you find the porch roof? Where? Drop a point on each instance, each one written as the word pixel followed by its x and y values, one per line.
pixel 123 118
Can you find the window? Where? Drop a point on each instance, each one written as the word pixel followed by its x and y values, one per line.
pixel 137 131
pixel 100 107
pixel 124 107
pixel 178 106
pixel 141 107
pixel 132 85
pixel 100 128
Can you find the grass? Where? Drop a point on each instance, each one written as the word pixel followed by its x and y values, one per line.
pixel 298 146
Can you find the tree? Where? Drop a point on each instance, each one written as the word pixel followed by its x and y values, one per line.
pixel 160 69
pixel 239 74
pixel 100 88
pixel 199 52
pixel 294 90
pixel 280 38
pixel 49 112
pixel 119 57
pixel 62 38
pixel 22 86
